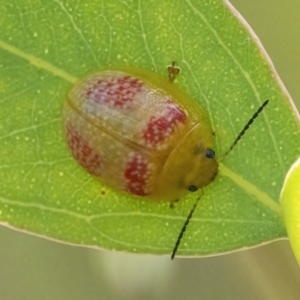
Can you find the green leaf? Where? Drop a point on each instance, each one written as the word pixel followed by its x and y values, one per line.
pixel 290 200
pixel 45 46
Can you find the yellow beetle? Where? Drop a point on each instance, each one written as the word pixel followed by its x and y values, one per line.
pixel 138 132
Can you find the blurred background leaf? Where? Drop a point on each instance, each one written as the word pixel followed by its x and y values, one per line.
pixel 290 202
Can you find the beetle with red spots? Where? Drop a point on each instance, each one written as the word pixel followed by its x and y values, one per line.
pixel 140 134
pixel 151 137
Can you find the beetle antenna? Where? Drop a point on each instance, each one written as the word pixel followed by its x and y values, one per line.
pixel 186 223
pixel 246 127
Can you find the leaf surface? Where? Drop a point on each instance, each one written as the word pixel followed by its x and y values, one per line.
pixel 46 45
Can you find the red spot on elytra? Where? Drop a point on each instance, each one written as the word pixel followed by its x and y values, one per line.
pixel 137 174
pixel 115 92
pixel 162 127
pixel 82 151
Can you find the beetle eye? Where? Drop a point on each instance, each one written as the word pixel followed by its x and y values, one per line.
pixel 193 188
pixel 210 153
